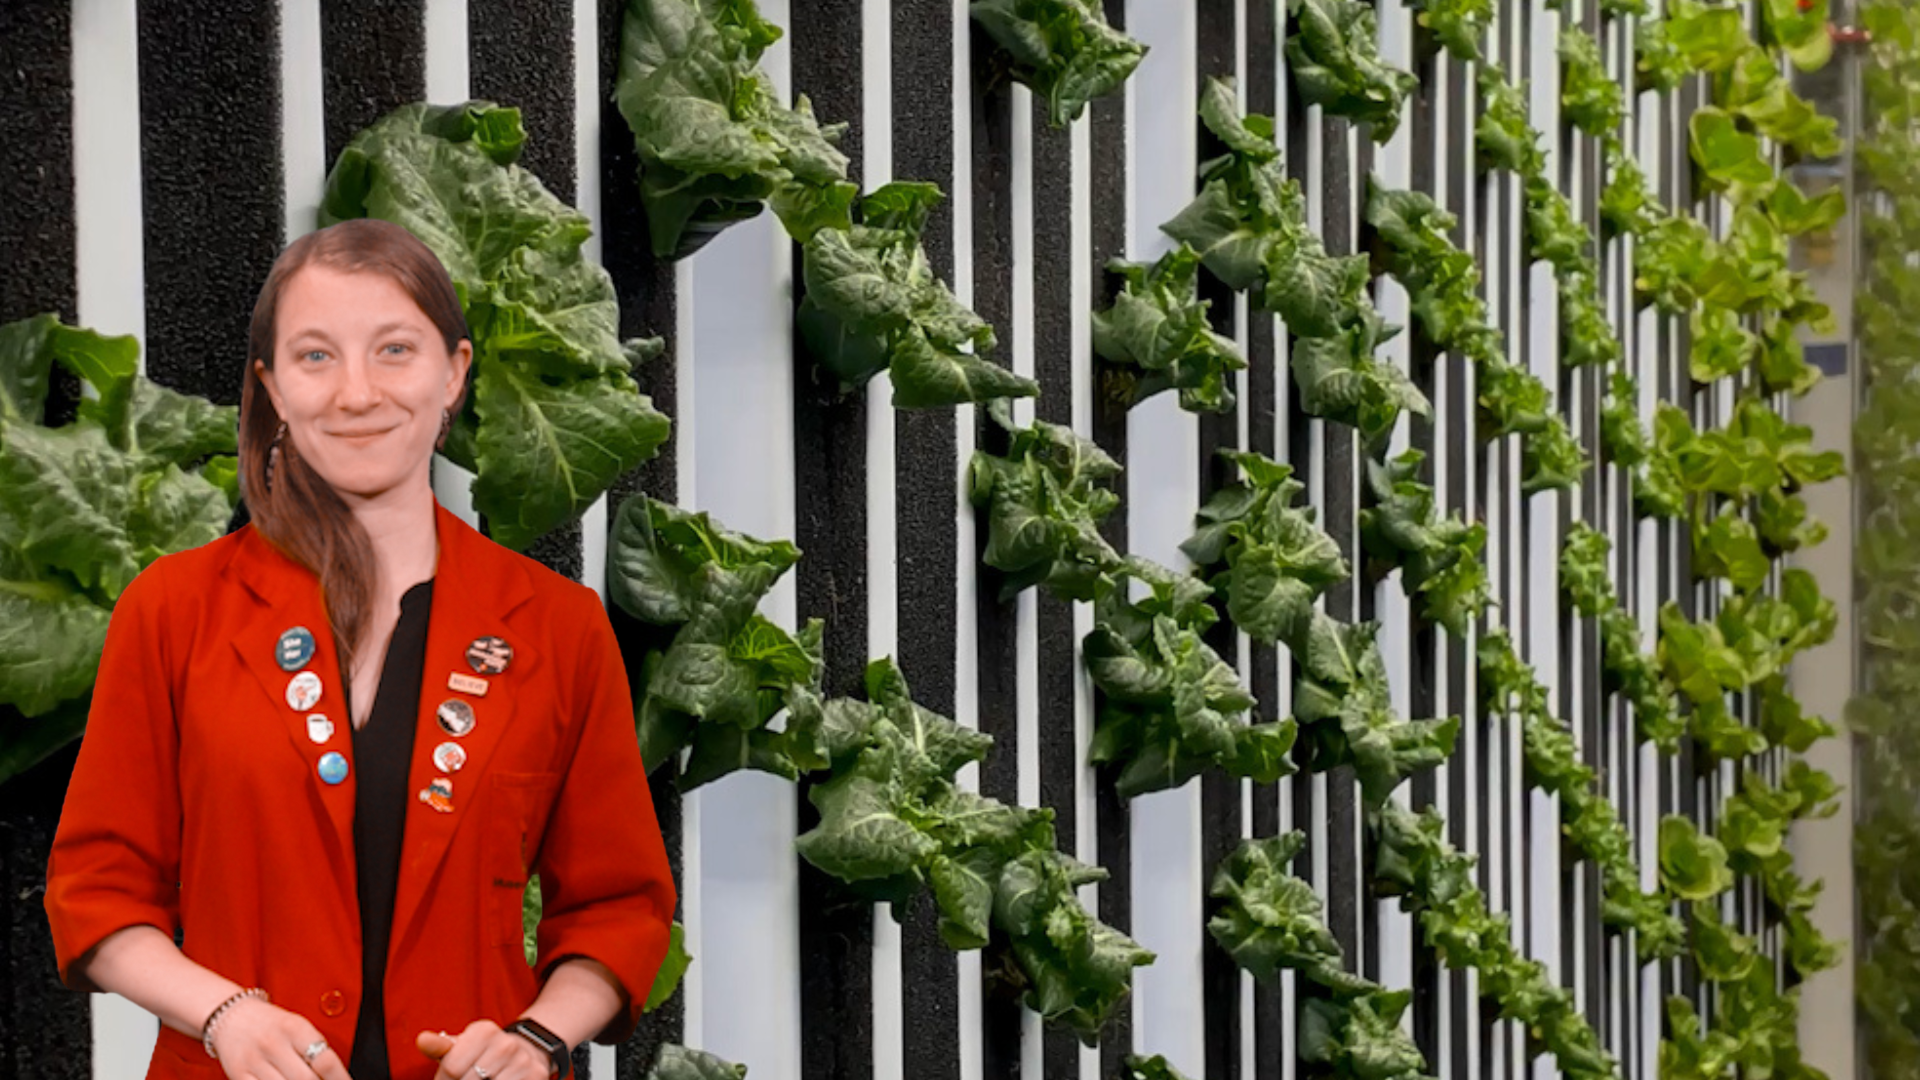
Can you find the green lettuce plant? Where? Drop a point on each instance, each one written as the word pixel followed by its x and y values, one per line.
pixel 1269 920
pixel 1270 559
pixel 140 472
pixel 1623 438
pixel 1502 136
pixel 1346 717
pixel 1658 64
pixel 1798 29
pixel 718 671
pixel 1335 63
pixel 1064 49
pixel 895 825
pixel 1409 237
pixel 554 416
pixel 1589 99
pixel 1438 557
pixel 873 304
pixel 1249 226
pixel 679 1063
pixel 1511 401
pixel 715 143
pixel 1627 205
pixel 1433 880
pixel 1170 707
pixel 1552 233
pixel 1551 459
pixel 1157 337
pixel 1454 25
pixel 1693 866
pixel 1045 499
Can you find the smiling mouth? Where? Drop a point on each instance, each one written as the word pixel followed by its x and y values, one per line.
pixel 360 436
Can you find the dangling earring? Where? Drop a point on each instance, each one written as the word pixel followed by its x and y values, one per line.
pixel 446 425
pixel 273 452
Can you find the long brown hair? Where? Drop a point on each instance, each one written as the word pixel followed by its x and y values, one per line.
pixel 299 513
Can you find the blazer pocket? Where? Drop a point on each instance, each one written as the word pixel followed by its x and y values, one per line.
pixel 515 822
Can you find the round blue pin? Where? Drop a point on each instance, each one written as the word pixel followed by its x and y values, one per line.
pixel 294 648
pixel 333 766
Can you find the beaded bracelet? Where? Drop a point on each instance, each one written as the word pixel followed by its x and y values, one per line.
pixel 213 1021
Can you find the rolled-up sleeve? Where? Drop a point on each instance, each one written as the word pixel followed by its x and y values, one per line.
pixel 115 860
pixel 607 892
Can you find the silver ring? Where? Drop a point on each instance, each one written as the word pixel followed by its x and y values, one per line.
pixel 480 1072
pixel 314 1050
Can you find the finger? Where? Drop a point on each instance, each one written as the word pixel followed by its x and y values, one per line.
pixel 460 1056
pixel 496 1062
pixel 434 1044
pixel 328 1066
pixel 283 1060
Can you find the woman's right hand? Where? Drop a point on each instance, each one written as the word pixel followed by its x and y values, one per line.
pixel 257 1040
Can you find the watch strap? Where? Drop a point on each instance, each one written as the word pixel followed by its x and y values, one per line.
pixel 556 1049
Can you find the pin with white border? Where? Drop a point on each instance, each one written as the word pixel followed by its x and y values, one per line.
pixel 319 728
pixel 294 648
pixel 455 716
pixel 303 691
pixel 448 757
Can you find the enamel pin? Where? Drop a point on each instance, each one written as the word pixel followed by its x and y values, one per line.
pixel 448 757
pixel 294 648
pixel 467 684
pixel 319 728
pixel 489 655
pixel 333 766
pixel 303 691
pixel 456 717
pixel 439 794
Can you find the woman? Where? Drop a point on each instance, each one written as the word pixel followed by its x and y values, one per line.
pixel 328 749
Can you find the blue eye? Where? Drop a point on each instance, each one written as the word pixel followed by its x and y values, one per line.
pixel 311 353
pixel 400 345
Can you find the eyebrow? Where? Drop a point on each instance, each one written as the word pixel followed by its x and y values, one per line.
pixel 385 328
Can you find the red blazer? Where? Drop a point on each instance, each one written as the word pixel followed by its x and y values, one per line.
pixel 196 804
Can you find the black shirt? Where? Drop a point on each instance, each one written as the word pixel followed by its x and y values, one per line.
pixel 383 753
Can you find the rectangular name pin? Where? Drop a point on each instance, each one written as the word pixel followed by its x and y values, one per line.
pixel 467 684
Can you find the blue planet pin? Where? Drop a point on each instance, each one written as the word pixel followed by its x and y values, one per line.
pixel 294 648
pixel 333 766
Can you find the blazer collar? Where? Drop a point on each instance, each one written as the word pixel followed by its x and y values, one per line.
pixel 478 585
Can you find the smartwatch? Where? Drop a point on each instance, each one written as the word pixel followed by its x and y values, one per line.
pixel 558 1056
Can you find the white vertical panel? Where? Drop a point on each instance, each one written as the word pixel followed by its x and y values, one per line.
pixel 1393 163
pixel 1645 813
pixel 876 74
pixel 1163 491
pixel 586 145
pixel 1026 606
pixel 447 81
pixel 601 1060
pixel 1542 543
pixel 739 447
pixel 970 1008
pixel 449 59
pixel 111 298
pixel 1085 845
pixel 303 136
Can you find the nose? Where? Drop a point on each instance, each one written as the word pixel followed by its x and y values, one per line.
pixel 358 391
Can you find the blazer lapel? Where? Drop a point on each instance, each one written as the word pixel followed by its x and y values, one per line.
pixel 288 596
pixel 476 586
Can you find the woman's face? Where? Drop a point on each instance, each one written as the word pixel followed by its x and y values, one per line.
pixel 361 377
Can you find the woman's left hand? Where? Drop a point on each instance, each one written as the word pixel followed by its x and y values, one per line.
pixel 484 1052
